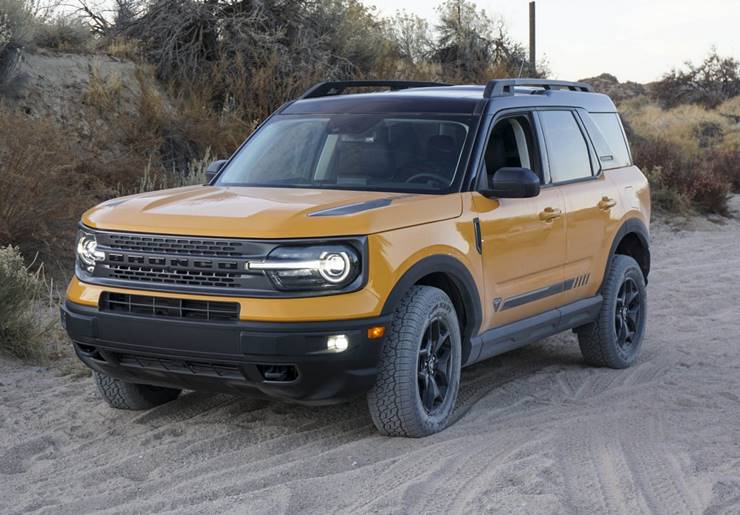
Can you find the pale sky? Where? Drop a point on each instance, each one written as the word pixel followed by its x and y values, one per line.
pixel 632 39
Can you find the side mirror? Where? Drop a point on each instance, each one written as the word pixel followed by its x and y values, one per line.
pixel 213 169
pixel 513 183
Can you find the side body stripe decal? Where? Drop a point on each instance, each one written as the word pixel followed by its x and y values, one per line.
pixel 541 293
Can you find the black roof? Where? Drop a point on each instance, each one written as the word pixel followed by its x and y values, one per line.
pixel 461 100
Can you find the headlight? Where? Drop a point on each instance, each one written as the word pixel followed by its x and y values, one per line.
pixel 310 268
pixel 87 250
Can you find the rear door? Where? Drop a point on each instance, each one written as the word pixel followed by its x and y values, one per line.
pixel 589 199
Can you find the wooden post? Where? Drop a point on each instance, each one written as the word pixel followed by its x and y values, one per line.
pixel 532 52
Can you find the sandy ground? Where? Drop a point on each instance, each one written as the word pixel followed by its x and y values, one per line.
pixel 538 432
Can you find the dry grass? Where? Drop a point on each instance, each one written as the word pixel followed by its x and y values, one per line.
pixel 104 91
pixel 692 127
pixel 123 48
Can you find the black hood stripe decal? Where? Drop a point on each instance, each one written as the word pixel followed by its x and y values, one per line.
pixel 351 209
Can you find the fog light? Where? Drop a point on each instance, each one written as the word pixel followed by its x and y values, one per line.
pixel 337 343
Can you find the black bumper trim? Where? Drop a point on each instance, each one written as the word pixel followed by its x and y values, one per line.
pixel 189 354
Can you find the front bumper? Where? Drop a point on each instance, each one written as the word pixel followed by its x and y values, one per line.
pixel 289 361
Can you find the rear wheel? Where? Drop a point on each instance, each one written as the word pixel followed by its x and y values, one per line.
pixel 615 339
pixel 419 369
pixel 121 395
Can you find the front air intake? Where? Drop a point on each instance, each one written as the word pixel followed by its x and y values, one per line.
pixel 145 305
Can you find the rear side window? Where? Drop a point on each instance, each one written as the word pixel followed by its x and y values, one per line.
pixel 567 150
pixel 611 129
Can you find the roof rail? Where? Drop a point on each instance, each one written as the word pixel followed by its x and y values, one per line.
pixel 505 87
pixel 325 89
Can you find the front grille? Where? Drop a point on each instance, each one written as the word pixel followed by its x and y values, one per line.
pixel 175 276
pixel 198 368
pixel 215 266
pixel 174 245
pixel 169 308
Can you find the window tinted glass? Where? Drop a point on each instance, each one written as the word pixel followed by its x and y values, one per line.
pixel 358 152
pixel 611 129
pixel 511 144
pixel 566 149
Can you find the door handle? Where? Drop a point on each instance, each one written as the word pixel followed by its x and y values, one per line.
pixel 550 214
pixel 606 203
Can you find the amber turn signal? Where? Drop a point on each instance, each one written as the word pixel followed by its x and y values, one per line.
pixel 376 332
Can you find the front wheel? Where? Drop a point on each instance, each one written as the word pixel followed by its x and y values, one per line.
pixel 419 369
pixel 121 395
pixel 615 339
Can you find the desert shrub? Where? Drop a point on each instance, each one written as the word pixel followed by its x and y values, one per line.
pixel 19 291
pixel 725 162
pixel 42 192
pixel 16 31
pixel 681 182
pixel 160 179
pixel 64 34
pixel 710 83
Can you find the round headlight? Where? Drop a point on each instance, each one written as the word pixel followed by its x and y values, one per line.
pixel 87 249
pixel 334 266
pixel 296 268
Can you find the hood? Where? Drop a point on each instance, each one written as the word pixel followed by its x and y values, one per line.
pixel 242 212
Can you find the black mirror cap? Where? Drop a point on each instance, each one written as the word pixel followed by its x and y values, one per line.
pixel 213 169
pixel 513 182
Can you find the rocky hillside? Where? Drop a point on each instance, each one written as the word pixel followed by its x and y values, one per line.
pixel 618 91
pixel 62 87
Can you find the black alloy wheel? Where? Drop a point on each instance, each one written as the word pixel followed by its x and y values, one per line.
pixel 627 314
pixel 434 365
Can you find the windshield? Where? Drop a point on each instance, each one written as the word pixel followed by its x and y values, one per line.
pixel 358 152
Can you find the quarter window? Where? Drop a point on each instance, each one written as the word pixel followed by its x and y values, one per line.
pixel 611 129
pixel 567 150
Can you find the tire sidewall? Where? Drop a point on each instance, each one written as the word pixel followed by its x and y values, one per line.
pixel 438 420
pixel 624 267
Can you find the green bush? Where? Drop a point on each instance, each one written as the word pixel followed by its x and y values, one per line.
pixel 19 291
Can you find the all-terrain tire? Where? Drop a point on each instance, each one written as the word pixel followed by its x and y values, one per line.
pixel 395 401
pixel 600 341
pixel 121 395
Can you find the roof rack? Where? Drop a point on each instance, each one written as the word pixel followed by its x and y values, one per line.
pixel 325 89
pixel 505 87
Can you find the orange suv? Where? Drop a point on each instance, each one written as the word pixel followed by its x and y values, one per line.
pixel 373 243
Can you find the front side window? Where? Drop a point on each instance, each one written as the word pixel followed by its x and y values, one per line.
pixel 358 152
pixel 567 151
pixel 511 144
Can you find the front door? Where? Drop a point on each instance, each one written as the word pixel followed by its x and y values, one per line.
pixel 524 242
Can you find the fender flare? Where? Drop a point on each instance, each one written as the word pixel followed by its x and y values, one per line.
pixel 630 226
pixel 460 277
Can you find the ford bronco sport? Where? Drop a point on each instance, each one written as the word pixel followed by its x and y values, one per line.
pixel 373 243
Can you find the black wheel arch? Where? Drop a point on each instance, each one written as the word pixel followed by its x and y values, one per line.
pixel 451 276
pixel 632 239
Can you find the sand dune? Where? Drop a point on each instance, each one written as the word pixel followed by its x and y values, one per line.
pixel 537 431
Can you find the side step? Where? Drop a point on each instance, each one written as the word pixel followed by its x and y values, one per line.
pixel 523 332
